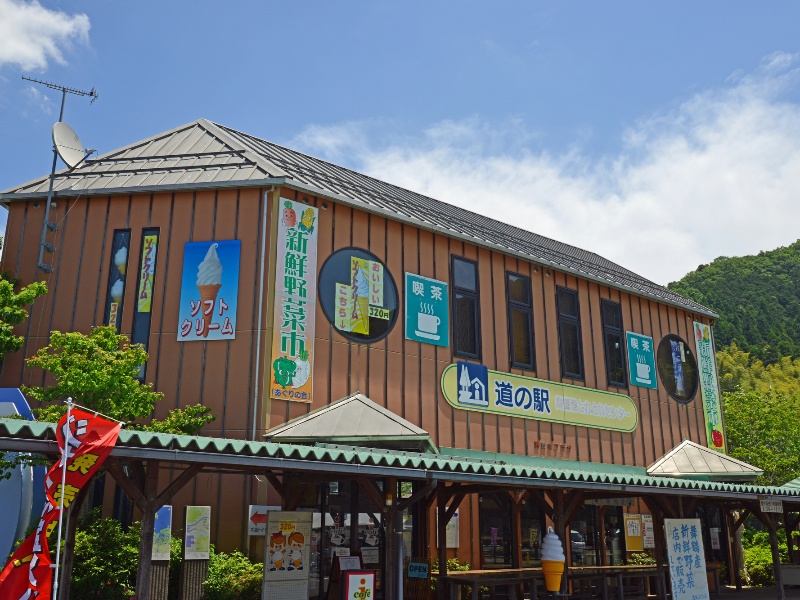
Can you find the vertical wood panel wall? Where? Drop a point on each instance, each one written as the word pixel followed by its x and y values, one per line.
pixel 398 374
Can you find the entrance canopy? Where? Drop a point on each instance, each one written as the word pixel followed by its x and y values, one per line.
pixel 689 460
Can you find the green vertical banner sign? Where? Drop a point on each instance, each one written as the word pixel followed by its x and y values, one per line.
pixel 641 360
pixel 708 386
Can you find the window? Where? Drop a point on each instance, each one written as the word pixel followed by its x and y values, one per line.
pixel 569 333
pixel 466 309
pixel 120 245
pixel 520 320
pixel 613 340
pixel 677 368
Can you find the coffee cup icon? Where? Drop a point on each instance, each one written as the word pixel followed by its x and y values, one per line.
pixel 428 326
pixel 643 373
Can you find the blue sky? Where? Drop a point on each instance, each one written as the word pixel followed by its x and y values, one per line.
pixel 660 135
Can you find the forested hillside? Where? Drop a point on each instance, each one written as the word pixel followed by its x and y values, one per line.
pixel 757 298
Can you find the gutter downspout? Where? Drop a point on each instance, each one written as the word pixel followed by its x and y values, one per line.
pixel 260 306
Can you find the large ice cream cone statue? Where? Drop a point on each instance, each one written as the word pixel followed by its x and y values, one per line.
pixel 553 560
pixel 208 292
pixel 209 280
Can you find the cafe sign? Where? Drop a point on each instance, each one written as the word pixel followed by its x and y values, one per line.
pixel 469 386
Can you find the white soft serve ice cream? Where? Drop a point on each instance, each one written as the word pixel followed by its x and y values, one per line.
pixel 551 547
pixel 209 272
pixel 121 257
pixel 117 289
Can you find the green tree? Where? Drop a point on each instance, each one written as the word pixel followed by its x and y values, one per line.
pixel 14 309
pixel 740 370
pixel 99 371
pixel 763 429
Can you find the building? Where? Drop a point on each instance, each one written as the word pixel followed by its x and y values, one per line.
pixel 267 284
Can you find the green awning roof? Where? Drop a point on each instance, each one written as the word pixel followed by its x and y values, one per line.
pixel 450 465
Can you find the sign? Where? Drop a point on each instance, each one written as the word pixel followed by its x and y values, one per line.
pixel 417 570
pixel 197 544
pixel 427 310
pixel 288 555
pixel 349 563
pixel 84 441
pixel 633 533
pixel 295 303
pixel 707 367
pixel 687 563
pixel 648 533
pixel 609 501
pixel 641 360
pixel 474 387
pixel 371 555
pixel 162 533
pixel 209 291
pixel 771 506
pixel 452 532
pixel 714 534
pixel 257 519
pixel 147 271
pixel 359 585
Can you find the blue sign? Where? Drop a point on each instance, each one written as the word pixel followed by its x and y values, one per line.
pixel 417 570
pixel 473 384
pixel 641 360
pixel 427 310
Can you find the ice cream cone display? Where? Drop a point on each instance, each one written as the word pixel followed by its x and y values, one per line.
pixel 121 260
pixel 553 560
pixel 117 290
pixel 209 280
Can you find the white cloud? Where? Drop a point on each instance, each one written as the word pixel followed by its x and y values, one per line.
pixel 31 35
pixel 44 103
pixel 718 176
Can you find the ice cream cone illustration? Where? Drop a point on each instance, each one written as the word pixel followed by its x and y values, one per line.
pixel 117 290
pixel 121 260
pixel 209 280
pixel 553 560
pixel 361 291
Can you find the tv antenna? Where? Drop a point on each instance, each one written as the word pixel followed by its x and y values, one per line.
pixel 67 145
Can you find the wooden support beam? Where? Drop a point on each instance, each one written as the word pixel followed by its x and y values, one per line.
pixel 371 489
pixel 174 487
pixel 541 501
pixel 575 503
pixel 451 510
pixel 128 485
pixel 420 494
pixel 740 521
pixel 277 484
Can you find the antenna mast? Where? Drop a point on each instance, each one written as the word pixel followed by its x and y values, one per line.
pixel 47 225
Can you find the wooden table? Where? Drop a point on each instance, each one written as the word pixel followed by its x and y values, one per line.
pixel 533 579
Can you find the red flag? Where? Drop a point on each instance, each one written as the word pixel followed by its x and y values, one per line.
pixel 89 441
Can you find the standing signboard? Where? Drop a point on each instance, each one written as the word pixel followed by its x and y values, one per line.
pixel 359 585
pixel 708 386
pixel 687 563
pixel 288 553
pixel 641 360
pixel 295 303
pixel 197 545
pixel 427 305
pixel 634 541
pixel 162 533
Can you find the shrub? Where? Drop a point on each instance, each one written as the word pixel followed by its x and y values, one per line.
pixel 640 558
pixel 758 556
pixel 233 577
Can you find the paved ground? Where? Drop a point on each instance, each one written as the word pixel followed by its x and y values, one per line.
pixel 792 593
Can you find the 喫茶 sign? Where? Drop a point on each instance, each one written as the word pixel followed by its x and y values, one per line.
pixel 641 360
pixel 427 318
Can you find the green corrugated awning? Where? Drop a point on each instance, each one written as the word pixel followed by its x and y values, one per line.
pixel 450 465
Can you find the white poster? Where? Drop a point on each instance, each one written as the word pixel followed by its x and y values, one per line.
pixel 648 533
pixel 288 554
pixel 162 533
pixel 687 562
pixel 198 533
pixel 451 531
pixel 714 538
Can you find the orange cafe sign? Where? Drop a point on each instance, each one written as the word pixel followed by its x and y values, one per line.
pixel 468 386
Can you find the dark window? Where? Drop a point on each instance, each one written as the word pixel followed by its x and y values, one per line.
pixel 613 340
pixel 520 320
pixel 466 309
pixel 569 333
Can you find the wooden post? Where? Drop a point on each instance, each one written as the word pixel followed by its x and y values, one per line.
pixel 733 549
pixel 601 526
pixel 560 526
pixel 148 523
pixel 661 544
pixel 391 539
pixel 441 528
pixel 776 560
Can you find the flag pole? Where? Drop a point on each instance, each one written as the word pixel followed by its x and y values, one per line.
pixel 64 455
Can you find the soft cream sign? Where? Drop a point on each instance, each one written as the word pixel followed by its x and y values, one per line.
pixel 474 387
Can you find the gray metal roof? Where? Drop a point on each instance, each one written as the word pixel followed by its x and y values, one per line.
pixel 689 459
pixel 206 154
pixel 355 420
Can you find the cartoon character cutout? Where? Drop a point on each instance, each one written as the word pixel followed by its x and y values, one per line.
pixel 296 542
pixel 277 549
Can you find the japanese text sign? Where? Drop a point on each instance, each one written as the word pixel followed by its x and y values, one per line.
pixel 427 314
pixel 209 291
pixel 197 545
pixel 144 300
pixel 687 562
pixel 162 533
pixel 708 386
pixel 641 360
pixel 295 303
pixel 648 533
pixel 474 387
pixel 634 541
pixel 287 554
pixel 771 506
pixel 85 441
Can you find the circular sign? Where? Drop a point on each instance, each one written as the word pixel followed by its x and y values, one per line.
pixel 677 368
pixel 358 295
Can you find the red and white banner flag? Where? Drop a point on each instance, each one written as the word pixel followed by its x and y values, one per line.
pixel 28 574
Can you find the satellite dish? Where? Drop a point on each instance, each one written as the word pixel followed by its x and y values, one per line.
pixel 68 144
